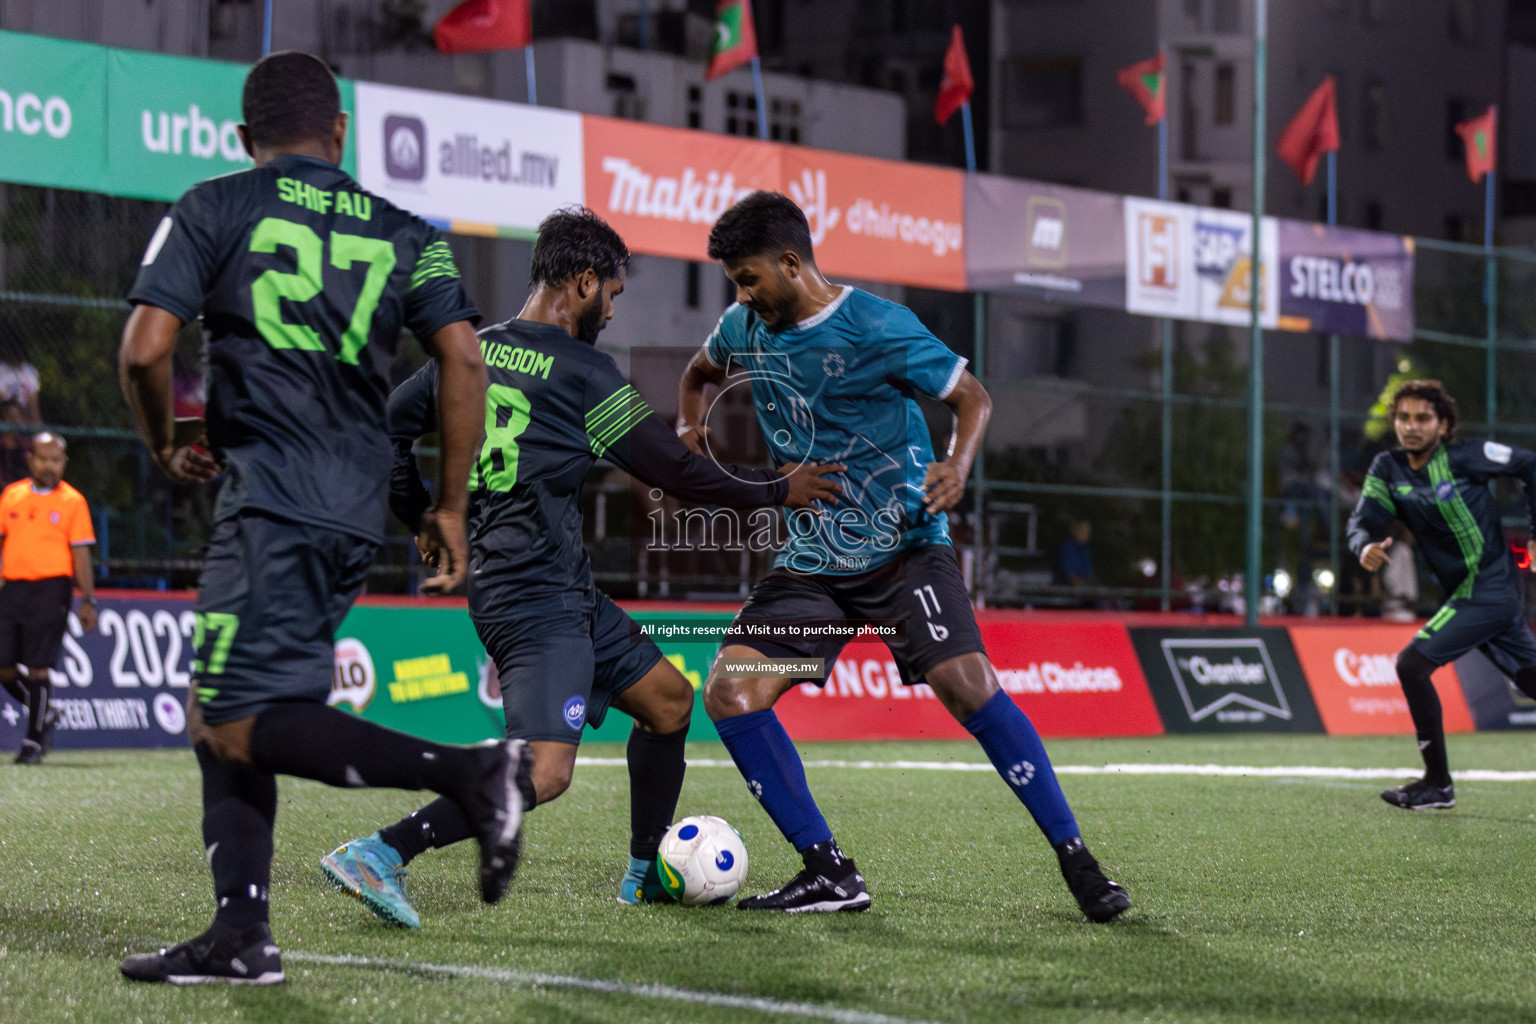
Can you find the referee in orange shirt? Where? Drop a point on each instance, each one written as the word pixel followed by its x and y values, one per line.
pixel 46 531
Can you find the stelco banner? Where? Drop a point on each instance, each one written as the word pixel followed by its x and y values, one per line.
pixel 1069 246
pixel 1345 281
pixel 476 166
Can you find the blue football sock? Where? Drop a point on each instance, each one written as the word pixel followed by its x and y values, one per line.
pixel 771 765
pixel 1015 750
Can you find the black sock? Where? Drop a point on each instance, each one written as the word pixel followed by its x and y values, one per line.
pixel 313 741
pixel 1413 672
pixel 656 768
pixel 1525 679
pixel 38 692
pixel 239 808
pixel 441 823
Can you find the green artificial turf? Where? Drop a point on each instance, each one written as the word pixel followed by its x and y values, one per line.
pixel 1256 899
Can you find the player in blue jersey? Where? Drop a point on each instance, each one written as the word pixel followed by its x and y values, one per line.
pixel 303 281
pixel 564 652
pixel 1438 486
pixel 833 373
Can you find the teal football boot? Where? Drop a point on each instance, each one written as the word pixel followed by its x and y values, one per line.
pixel 370 870
pixel 642 884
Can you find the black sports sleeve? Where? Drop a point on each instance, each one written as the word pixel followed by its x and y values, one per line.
pixel 179 263
pixel 412 412
pixel 651 452
pixel 1490 458
pixel 1374 512
pixel 435 296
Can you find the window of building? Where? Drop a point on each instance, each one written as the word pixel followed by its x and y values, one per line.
pixel 695 107
pixel 691 279
pixel 1226 93
pixel 740 113
pixel 1455 113
pixel 1192 11
pixel 784 120
pixel 1373 216
pixel 1042 93
pixel 1221 197
pixel 1189 114
pixel 1226 17
pixel 1373 115
pixel 627 101
pixel 1457 228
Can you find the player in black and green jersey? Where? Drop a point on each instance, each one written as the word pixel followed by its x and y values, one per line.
pixel 564 652
pixel 1438 487
pixel 303 281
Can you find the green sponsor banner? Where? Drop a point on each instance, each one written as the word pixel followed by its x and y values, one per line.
pixel 120 122
pixel 422 670
pixel 53 112
pixel 172 123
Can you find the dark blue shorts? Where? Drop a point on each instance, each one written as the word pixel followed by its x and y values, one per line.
pixel 272 595
pixel 1497 628
pixel 561 670
pixel 920 588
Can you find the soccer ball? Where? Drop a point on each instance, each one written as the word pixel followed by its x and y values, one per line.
pixel 702 861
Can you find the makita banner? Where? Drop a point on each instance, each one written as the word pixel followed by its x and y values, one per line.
pixel 1345 281
pixel 1072 679
pixel 1351 668
pixel 1050 242
pixel 1226 680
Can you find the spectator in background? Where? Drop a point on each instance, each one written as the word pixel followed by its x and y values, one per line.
pixel 19 416
pixel 1074 559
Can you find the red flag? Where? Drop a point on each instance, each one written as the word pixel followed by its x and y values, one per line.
pixel 1480 136
pixel 956 88
pixel 1312 132
pixel 735 38
pixel 1148 83
pixel 478 25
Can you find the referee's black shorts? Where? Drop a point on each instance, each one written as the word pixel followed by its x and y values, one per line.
pixel 33 617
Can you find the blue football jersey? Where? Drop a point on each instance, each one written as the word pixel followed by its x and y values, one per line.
pixel 840 387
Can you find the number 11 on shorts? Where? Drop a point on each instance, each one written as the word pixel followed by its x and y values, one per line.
pixel 938 632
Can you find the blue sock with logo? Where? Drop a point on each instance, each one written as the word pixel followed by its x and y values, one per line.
pixel 771 765
pixel 1015 750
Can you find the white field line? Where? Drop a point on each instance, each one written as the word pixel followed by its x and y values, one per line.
pixel 1208 770
pixel 536 980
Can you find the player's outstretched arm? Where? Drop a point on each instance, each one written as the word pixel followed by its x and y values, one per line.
pixel 1371 519
pixel 412 412
pixel 144 370
pixel 691 406
pixel 461 416
pixel 944 483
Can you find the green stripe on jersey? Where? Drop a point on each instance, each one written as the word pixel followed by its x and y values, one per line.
pixel 1458 517
pixel 1376 487
pixel 614 417
pixel 436 260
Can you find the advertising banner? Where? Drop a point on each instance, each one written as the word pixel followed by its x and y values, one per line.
pixel 1072 679
pixel 53 112
pixel 1346 282
pixel 124 685
pixel 879 220
pixel 1049 242
pixel 474 166
pixel 1226 680
pixel 1352 671
pixel 1494 701
pixel 662 189
pixel 1193 263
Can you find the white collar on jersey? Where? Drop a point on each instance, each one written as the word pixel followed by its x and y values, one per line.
pixel 826 311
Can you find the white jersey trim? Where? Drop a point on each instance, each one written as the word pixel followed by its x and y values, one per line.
pixel 954 378
pixel 826 311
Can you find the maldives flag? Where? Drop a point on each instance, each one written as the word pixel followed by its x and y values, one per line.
pixel 1479 135
pixel 956 88
pixel 478 25
pixel 735 38
pixel 1312 132
pixel 1148 83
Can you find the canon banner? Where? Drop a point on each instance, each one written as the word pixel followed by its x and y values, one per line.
pixel 1345 281
pixel 1049 242
pixel 1352 670
pixel 1226 680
